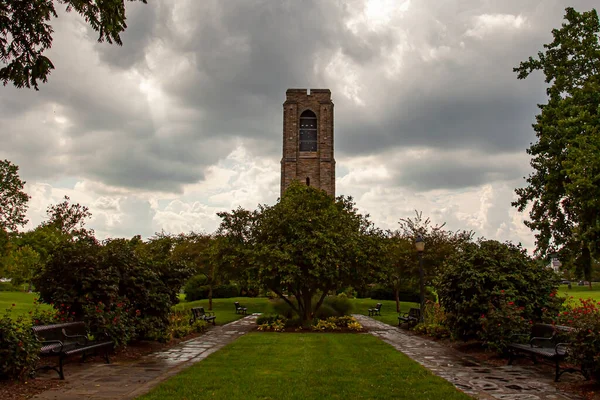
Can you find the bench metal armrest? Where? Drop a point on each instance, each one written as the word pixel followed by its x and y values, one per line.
pixel 209 313
pixel 564 346
pixel 44 342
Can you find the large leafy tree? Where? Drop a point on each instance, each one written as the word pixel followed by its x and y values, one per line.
pixel 564 189
pixel 69 218
pixel 26 33
pixel 13 200
pixel 309 244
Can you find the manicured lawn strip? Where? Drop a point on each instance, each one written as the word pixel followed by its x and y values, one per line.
pixel 306 366
pixel 23 302
pixel 225 310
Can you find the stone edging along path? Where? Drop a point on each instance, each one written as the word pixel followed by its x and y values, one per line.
pixel 470 376
pixel 129 380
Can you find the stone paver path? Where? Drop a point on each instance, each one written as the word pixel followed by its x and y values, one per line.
pixel 127 380
pixel 472 377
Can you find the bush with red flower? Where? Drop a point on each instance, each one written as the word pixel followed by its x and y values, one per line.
pixel 19 348
pixel 585 339
pixel 114 320
pixel 501 323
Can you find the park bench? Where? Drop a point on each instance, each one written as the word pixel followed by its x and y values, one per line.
pixel 376 310
pixel 546 341
pixel 68 339
pixel 412 317
pixel 239 309
pixel 198 314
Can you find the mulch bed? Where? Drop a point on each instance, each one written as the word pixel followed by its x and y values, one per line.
pixel 17 390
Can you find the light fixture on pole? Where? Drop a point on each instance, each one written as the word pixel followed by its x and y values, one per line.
pixel 420 247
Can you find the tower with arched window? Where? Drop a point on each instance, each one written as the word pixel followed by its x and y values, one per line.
pixel 308 139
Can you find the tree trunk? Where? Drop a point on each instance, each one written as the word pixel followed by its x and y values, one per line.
pixel 210 297
pixel 307 314
pixel 397 297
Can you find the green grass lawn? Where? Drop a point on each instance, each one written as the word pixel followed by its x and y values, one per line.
pixel 225 310
pixel 23 302
pixel 306 366
pixel 388 309
pixel 580 292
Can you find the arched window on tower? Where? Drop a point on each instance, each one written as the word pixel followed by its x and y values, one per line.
pixel 308 131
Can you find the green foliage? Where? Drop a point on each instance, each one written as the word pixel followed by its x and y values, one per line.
pixel 69 218
pixel 585 339
pixel 482 273
pixel 333 306
pixel 180 327
pixel 563 192
pixel 340 304
pixel 114 321
pixel 380 292
pixel 434 321
pixel 273 323
pixel 22 54
pixel 13 200
pixel 141 276
pixel 193 288
pixel 19 348
pixel 436 331
pixel 501 323
pixel 307 243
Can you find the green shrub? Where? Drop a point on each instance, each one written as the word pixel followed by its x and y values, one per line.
pixel 219 291
pixel 500 323
pixel 193 287
pixel 585 339
pixel 476 277
pixel 8 287
pixel 110 320
pixel 326 311
pixel 274 323
pixel 269 318
pixel 83 273
pixel 282 308
pixel 436 331
pixel 379 292
pixel 341 304
pixel 19 348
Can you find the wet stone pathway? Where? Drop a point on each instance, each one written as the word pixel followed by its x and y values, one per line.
pixel 128 380
pixel 476 379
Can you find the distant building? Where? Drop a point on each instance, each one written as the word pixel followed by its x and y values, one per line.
pixel 554 264
pixel 308 139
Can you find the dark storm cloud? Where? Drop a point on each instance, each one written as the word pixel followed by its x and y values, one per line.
pixel 223 68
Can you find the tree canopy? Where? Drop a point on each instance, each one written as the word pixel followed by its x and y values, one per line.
pixel 564 189
pixel 13 200
pixel 306 245
pixel 26 33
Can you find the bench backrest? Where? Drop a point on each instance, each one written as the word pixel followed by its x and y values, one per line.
pixel 557 333
pixel 378 306
pixel 415 313
pixel 196 312
pixel 55 331
pixel 237 305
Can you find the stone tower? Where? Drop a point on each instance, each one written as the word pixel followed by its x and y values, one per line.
pixel 308 139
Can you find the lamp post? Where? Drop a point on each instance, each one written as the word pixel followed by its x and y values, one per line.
pixel 420 247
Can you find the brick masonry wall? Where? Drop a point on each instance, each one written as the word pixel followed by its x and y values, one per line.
pixel 318 166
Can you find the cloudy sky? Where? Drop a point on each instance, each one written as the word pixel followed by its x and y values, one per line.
pixel 185 119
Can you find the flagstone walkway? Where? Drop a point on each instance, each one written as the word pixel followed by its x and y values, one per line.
pixel 127 380
pixel 469 375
